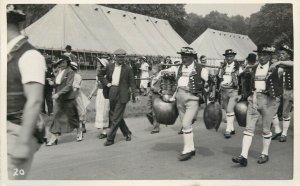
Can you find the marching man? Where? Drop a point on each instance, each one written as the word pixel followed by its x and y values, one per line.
pixel 190 85
pixel 264 101
pixel 285 57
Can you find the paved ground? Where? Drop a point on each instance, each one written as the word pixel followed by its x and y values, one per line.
pixel 154 156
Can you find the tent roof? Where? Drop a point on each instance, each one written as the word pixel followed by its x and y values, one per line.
pixel 213 43
pixel 96 28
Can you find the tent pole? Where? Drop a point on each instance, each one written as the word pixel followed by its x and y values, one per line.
pixel 84 60
pixel 78 59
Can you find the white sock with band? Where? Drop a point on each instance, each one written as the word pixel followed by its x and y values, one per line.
pixel 266 145
pixel 230 119
pixel 247 140
pixel 276 124
pixel 188 140
pixel 285 126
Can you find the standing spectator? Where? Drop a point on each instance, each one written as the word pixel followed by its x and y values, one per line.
pixel 69 53
pixel 65 117
pixel 48 90
pixel 144 75
pixel 118 77
pixel 102 102
pixel 25 85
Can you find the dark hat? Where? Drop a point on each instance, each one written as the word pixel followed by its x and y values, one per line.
pixel 187 51
pixel 287 49
pixel 68 47
pixel 63 58
pixel 14 15
pixel 251 57
pixel 229 52
pixel 105 55
pixel 265 48
pixel 120 52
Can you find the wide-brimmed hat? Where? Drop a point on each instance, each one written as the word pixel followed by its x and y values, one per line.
pixel 120 52
pixel 14 15
pixel 103 62
pixel 287 49
pixel 264 48
pixel 187 51
pixel 251 57
pixel 229 52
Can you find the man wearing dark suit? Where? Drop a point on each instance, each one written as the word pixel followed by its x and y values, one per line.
pixel 118 77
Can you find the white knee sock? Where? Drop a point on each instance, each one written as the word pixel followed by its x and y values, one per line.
pixel 285 126
pixel 276 124
pixel 266 145
pixel 188 140
pixel 230 119
pixel 247 140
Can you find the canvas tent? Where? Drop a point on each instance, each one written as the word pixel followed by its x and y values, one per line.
pixel 95 28
pixel 213 43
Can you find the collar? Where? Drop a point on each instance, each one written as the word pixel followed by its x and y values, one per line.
pixel 190 66
pixel 263 66
pixel 13 42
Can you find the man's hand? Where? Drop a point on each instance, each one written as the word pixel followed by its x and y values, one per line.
pixel 108 85
pixel 238 98
pixel 55 96
pixel 20 153
pixel 273 66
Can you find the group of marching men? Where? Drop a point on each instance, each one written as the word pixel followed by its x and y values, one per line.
pixel 260 83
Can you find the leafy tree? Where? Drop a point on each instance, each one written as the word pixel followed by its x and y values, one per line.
pixel 273 24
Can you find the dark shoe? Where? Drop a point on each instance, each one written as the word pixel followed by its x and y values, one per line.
pixel 193 121
pixel 276 135
pixel 227 135
pixel 108 143
pixel 241 160
pixel 128 137
pixel 150 118
pixel 282 138
pixel 102 136
pixel 263 159
pixel 186 156
pixel 180 132
pixel 154 131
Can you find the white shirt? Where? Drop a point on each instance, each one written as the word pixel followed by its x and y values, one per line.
pixel 227 79
pixel 59 77
pixel 32 64
pixel 116 75
pixel 261 73
pixel 186 71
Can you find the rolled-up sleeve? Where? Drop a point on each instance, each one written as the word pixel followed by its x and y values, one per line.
pixel 32 67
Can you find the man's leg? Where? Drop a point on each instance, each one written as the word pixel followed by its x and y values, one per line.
pixel 230 114
pixel 287 106
pixel 49 102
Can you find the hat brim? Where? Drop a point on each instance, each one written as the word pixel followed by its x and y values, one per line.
pixel 231 54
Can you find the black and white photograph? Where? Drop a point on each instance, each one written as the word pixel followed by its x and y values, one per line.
pixel 186 92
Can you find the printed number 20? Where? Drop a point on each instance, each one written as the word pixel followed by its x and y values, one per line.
pixel 19 172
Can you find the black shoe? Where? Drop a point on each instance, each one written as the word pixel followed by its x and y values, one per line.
pixel 282 138
pixel 227 135
pixel 128 137
pixel 150 117
pixel 193 121
pixel 241 160
pixel 263 159
pixel 108 143
pixel 186 156
pixel 102 136
pixel 276 135
pixel 154 131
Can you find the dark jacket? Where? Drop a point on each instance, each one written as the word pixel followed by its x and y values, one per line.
pixel 65 89
pixel 126 81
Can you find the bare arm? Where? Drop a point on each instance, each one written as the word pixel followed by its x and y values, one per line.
pixel 34 95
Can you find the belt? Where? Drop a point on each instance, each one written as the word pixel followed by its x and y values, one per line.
pixel 115 86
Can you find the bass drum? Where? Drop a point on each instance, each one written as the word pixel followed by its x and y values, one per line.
pixel 240 111
pixel 165 113
pixel 212 115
